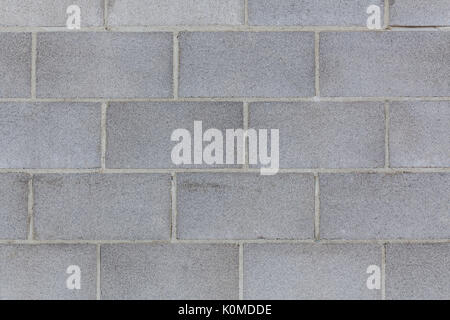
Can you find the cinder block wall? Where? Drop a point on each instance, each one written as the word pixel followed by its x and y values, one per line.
pixel 85 171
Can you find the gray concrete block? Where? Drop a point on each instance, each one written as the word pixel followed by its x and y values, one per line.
pixel 31 272
pixel 309 271
pixel 50 135
pixel 100 64
pixel 170 271
pixel 310 12
pixel 385 63
pixel 139 134
pixel 418 271
pixel 48 13
pixel 14 206
pixel 325 135
pixel 102 206
pixel 419 13
pixel 15 65
pixel 384 206
pixel 175 12
pixel 246 64
pixel 420 134
pixel 249 206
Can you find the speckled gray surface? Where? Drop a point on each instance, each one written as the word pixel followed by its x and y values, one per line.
pixel 420 135
pixel 101 207
pixel 419 13
pixel 180 271
pixel 384 64
pixel 325 135
pixel 246 64
pixel 15 65
pixel 113 65
pixel 48 13
pixel 31 272
pixel 14 206
pixel 50 135
pixel 129 122
pixel 358 210
pixel 419 272
pixel 305 271
pixel 385 206
pixel 175 12
pixel 217 206
pixel 310 12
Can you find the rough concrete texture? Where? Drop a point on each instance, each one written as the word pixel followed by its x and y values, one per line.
pixel 170 271
pixel 309 271
pixel 246 64
pixel 420 134
pixel 86 119
pixel 419 13
pixel 95 207
pixel 30 272
pixel 13 206
pixel 175 12
pixel 384 206
pixel 384 64
pixel 114 65
pixel 237 206
pixel 129 122
pixel 310 12
pixel 15 65
pixel 50 135
pixel 48 13
pixel 325 135
pixel 418 271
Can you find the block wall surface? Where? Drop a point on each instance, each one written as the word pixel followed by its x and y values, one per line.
pixel 86 176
